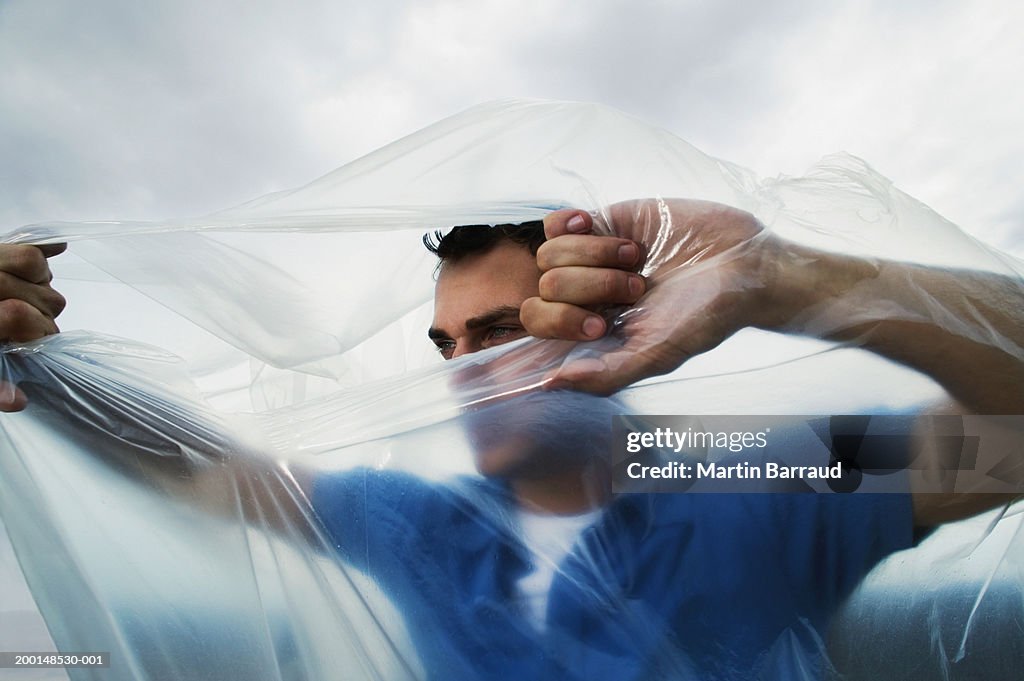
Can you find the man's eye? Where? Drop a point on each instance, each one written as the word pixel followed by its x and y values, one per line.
pixel 496 335
pixel 446 348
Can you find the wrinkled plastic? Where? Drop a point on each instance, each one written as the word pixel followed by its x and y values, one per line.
pixel 298 488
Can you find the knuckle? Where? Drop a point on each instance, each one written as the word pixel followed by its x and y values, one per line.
pixel 532 315
pixel 25 261
pixel 578 250
pixel 611 285
pixel 604 250
pixel 15 312
pixel 596 251
pixel 560 251
pixel 19 321
pixel 55 301
pixel 529 311
pixel 591 251
pixel 546 255
pixel 550 285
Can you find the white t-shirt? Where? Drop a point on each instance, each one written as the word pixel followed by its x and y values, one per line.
pixel 549 539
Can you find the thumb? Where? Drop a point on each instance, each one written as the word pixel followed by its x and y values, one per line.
pixel 605 374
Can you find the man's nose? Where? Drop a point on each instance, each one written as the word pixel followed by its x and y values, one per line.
pixel 464 347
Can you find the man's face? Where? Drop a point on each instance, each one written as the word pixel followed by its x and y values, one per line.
pixel 528 436
pixel 476 306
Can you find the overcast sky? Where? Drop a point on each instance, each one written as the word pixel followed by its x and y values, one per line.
pixel 145 109
pixel 142 109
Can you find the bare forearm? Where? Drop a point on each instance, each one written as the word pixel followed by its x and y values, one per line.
pixel 965 329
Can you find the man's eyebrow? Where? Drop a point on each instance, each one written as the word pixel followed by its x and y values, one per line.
pixel 480 321
pixel 491 316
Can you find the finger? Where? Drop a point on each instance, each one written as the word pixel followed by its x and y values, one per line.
pixel 40 296
pixel 544 319
pixel 50 250
pixel 605 375
pixel 20 322
pixel 25 262
pixel 11 398
pixel 587 250
pixel 567 221
pixel 591 286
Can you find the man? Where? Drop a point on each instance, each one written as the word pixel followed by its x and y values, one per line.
pixel 666 586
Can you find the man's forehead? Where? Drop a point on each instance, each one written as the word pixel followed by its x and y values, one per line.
pixel 505 276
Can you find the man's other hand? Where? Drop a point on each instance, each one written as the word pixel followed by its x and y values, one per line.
pixel 707 268
pixel 28 304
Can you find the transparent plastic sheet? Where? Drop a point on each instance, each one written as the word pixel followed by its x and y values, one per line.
pixel 307 493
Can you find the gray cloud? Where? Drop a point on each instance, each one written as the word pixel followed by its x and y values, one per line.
pixel 141 110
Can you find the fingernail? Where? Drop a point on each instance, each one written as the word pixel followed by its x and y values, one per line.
pixel 576 224
pixel 636 286
pixel 593 327
pixel 628 254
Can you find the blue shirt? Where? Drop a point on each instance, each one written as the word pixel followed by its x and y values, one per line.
pixel 709 586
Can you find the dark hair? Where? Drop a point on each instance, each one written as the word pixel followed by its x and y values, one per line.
pixel 466 240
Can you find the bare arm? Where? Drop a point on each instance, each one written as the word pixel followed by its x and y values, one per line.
pixel 962 328
pixel 965 329
pixel 720 271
